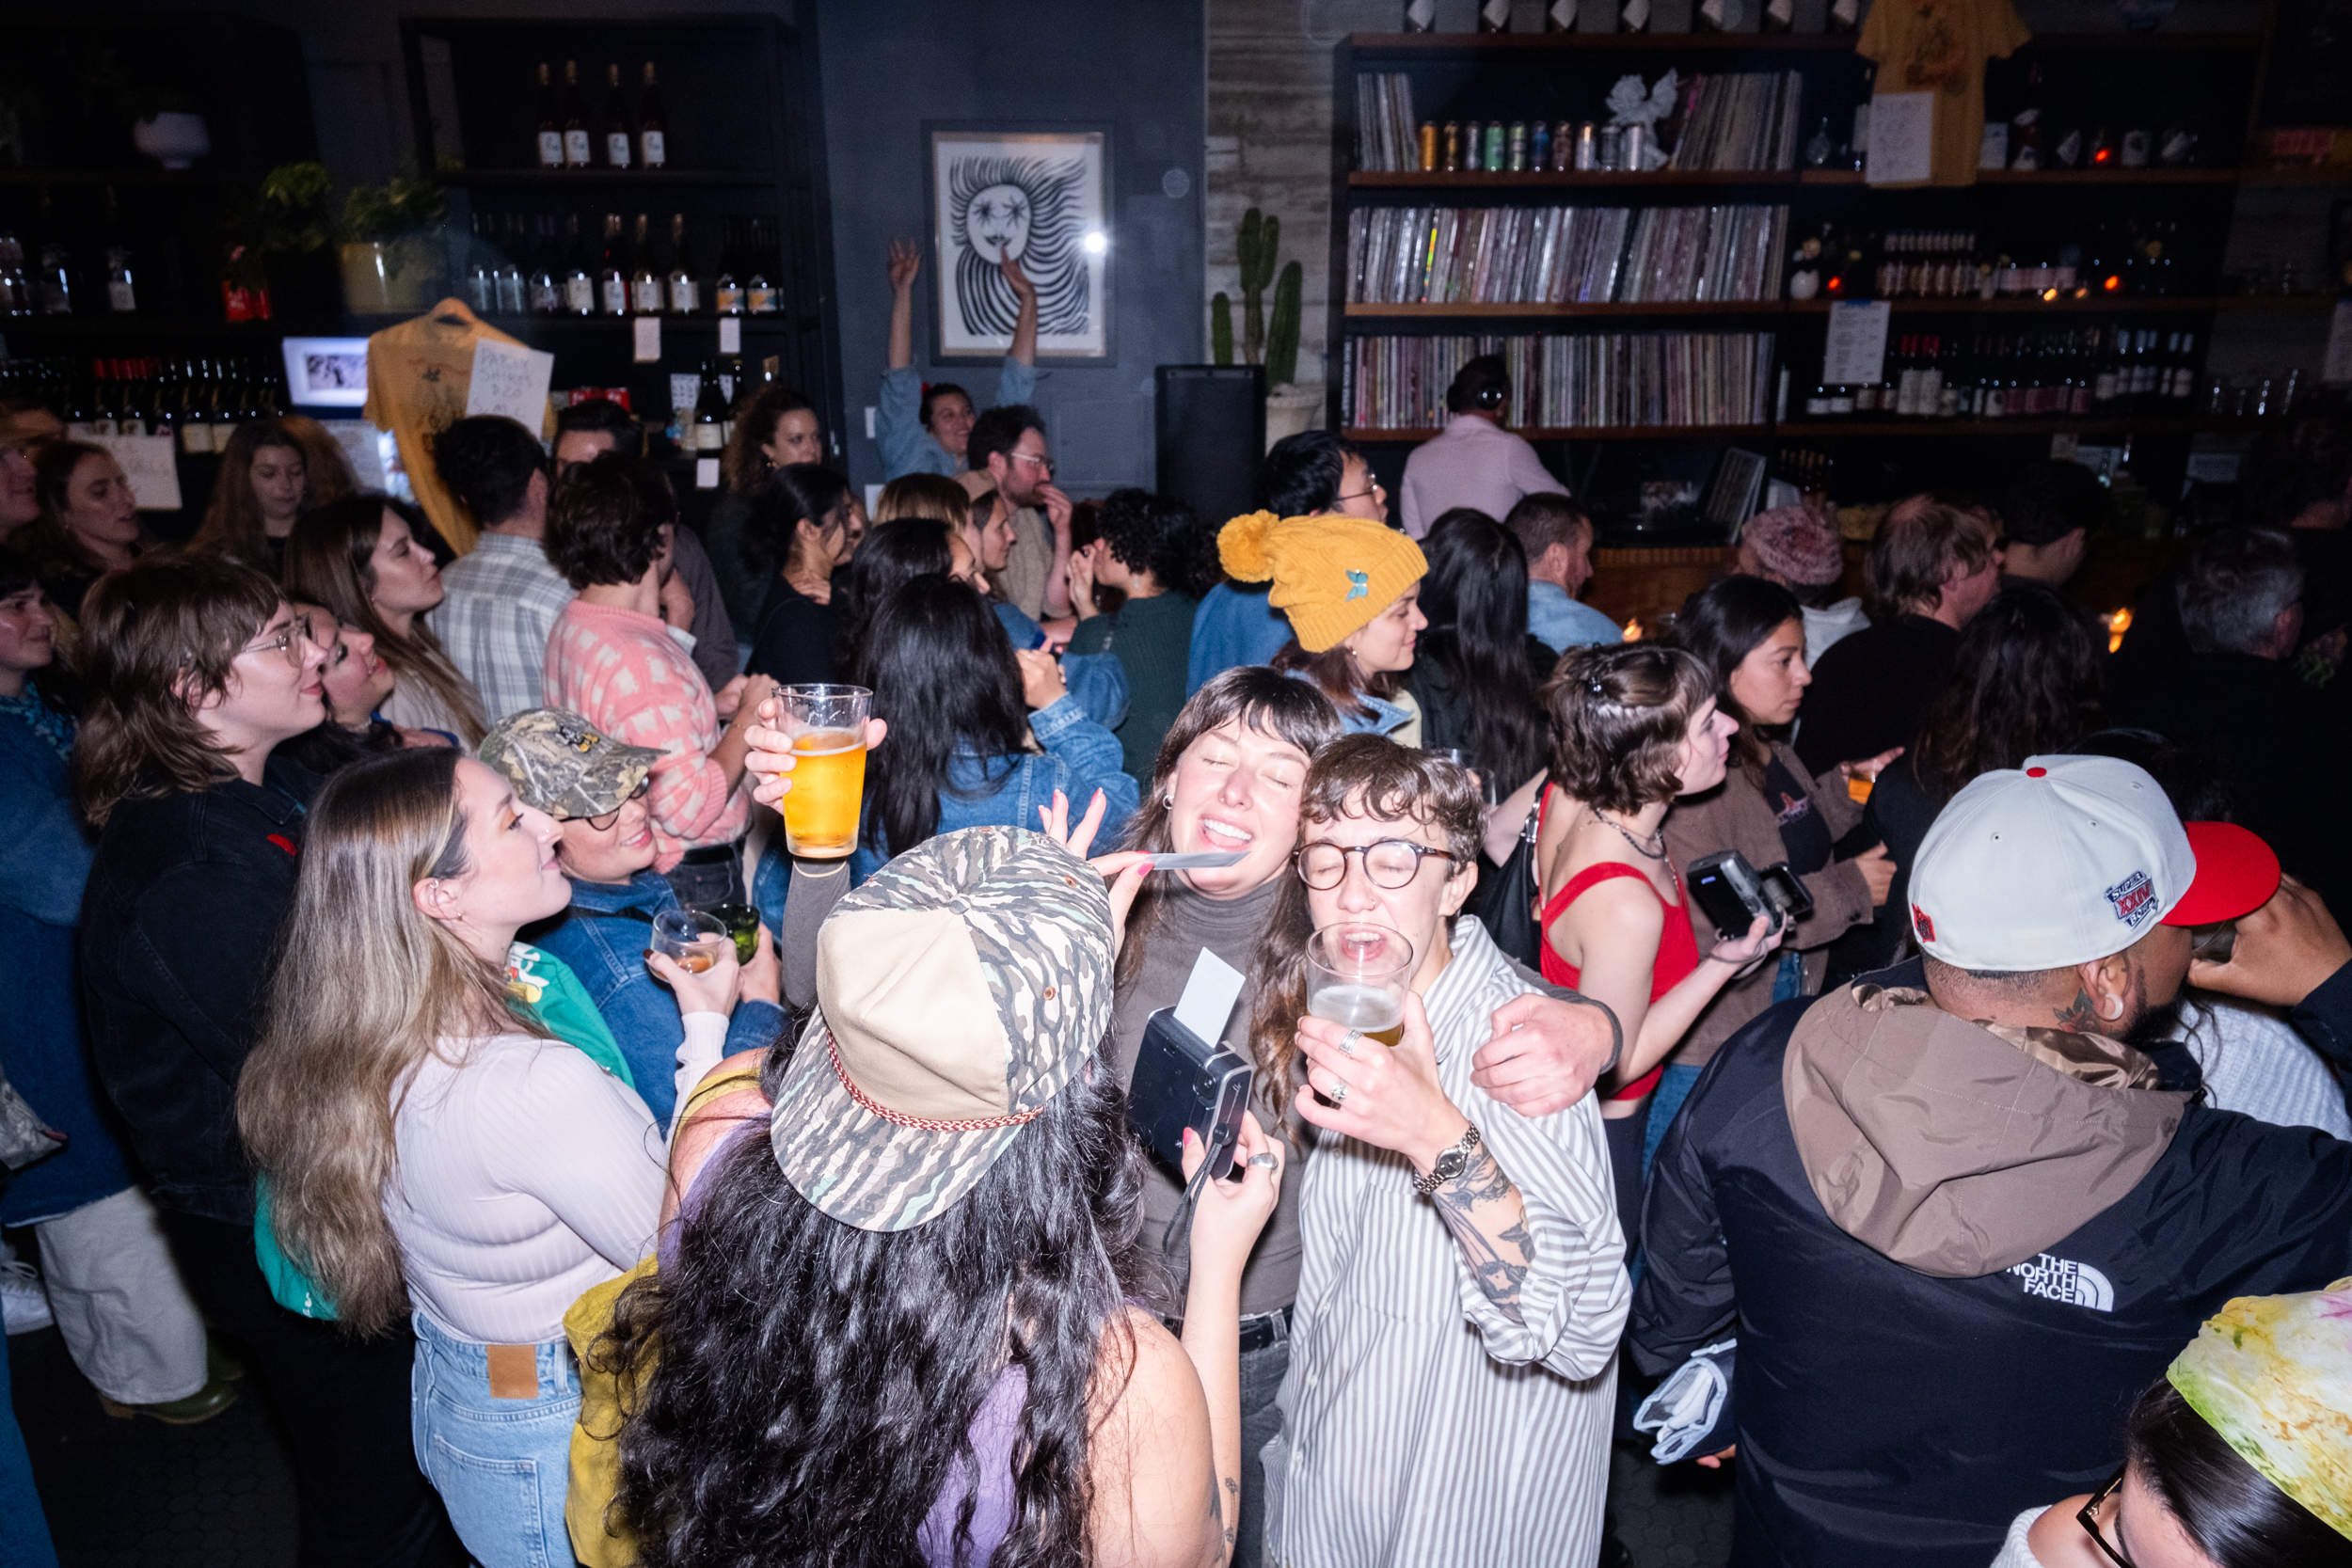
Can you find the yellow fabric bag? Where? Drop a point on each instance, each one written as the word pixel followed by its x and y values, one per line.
pixel 596 1464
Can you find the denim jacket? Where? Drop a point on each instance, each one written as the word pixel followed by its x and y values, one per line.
pixel 1081 756
pixel 1099 681
pixel 1385 718
pixel 606 949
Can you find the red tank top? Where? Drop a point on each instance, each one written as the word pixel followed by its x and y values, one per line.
pixel 1678 946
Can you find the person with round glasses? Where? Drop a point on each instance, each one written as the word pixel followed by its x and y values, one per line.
pixel 673 1028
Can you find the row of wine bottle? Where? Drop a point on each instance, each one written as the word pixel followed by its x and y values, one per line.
pixel 516 266
pixel 1633 16
pixel 2108 371
pixel 642 140
pixel 199 403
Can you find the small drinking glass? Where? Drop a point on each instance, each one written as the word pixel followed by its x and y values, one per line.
pixel 690 938
pixel 1357 974
pixel 742 924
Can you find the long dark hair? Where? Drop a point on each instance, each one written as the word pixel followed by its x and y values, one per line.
pixel 53 685
pixel 1724 623
pixel 2028 676
pixel 1475 596
pixel 943 673
pixel 894 555
pixel 802 1390
pixel 794 494
pixel 2232 1512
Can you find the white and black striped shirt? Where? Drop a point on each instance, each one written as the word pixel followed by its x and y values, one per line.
pixel 1422 1424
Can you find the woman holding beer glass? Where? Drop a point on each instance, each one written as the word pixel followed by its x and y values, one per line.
pixel 1633 727
pixel 433 1154
pixel 1521 1237
pixel 1350 589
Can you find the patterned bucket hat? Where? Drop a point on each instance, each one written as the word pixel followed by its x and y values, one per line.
pixel 958 992
pixel 560 764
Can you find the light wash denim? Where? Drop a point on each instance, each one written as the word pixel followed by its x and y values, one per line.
pixel 502 1467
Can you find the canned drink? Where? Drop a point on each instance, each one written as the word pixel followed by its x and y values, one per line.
pixel 1519 146
pixel 1452 146
pixel 1494 145
pixel 1630 151
pixel 1428 145
pixel 1612 147
pixel 1474 147
pixel 1587 145
pixel 1539 147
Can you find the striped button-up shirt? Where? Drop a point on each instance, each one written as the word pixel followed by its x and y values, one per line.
pixel 503 602
pixel 1422 1425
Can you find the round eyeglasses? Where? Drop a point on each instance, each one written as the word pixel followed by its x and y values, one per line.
pixel 603 821
pixel 1391 863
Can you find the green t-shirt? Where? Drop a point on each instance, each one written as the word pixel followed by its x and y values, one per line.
pixel 542 987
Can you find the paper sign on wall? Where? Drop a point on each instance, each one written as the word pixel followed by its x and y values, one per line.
pixel 730 334
pixel 151 465
pixel 363 443
pixel 1902 137
pixel 2337 366
pixel 647 330
pixel 705 473
pixel 511 380
pixel 1857 343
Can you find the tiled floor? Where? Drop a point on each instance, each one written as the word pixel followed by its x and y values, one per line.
pixel 133 1494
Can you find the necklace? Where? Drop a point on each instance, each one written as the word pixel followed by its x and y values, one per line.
pixel 1658 837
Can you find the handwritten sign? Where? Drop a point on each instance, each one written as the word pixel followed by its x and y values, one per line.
pixel 510 380
pixel 150 464
pixel 1857 343
pixel 1903 138
pixel 363 445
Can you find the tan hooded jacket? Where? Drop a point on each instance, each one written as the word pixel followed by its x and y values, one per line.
pixel 1960 1149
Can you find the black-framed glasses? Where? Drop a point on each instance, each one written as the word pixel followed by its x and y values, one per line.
pixel 2088 1519
pixel 603 821
pixel 1391 863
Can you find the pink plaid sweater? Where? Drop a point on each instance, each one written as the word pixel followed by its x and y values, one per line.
pixel 624 674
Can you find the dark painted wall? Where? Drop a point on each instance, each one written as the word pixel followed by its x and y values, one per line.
pixel 1138 66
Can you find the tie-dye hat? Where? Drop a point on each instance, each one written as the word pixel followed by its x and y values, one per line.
pixel 958 992
pixel 2273 1375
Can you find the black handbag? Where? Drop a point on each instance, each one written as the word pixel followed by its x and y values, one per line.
pixel 1506 901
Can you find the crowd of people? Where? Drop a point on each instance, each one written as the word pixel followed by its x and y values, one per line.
pixel 1886 1045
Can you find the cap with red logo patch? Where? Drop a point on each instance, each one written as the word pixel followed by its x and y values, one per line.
pixel 2070 859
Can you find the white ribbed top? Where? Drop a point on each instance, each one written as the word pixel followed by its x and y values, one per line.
pixel 526 1175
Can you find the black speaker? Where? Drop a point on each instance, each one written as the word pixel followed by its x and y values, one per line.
pixel 1211 425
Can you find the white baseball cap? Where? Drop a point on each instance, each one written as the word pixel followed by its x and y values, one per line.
pixel 2072 859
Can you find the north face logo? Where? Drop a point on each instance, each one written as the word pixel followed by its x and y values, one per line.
pixel 2063 1279
pixel 2135 900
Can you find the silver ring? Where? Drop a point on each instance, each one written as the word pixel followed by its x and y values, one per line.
pixel 1339 1094
pixel 1262 1161
pixel 1347 1041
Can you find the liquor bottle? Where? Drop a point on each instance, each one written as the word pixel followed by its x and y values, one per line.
pixel 122 296
pixel 612 269
pixel 196 431
pixel 57 280
pixel 1715 16
pixel 16 289
pixel 645 277
pixel 547 286
pixel 1420 16
pixel 710 413
pixel 1560 16
pixel 619 140
pixel 1858 144
pixel 684 293
pixel 1494 16
pixel 2025 127
pixel 579 284
pixel 550 123
pixel 652 125
pixel 513 293
pixel 575 115
pixel 1634 18
pixel 1779 15
pixel 726 291
pixel 1845 16
pixel 1932 400
pixel 759 295
pixel 481 278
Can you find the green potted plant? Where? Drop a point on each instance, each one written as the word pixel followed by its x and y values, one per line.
pixel 278 243
pixel 392 246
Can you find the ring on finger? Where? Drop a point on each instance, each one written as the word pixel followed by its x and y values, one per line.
pixel 1262 1161
pixel 1347 1041
pixel 1339 1092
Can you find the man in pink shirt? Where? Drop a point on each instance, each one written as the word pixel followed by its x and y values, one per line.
pixel 613 660
pixel 1475 461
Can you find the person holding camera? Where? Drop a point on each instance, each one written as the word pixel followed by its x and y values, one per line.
pixel 1770 809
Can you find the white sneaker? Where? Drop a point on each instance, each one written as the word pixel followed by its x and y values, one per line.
pixel 23 1303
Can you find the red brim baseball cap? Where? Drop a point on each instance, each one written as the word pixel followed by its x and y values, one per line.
pixel 2237 874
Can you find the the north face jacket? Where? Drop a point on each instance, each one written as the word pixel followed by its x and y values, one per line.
pixel 1889 1415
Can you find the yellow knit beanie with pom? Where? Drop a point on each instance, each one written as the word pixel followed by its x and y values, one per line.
pixel 1333 573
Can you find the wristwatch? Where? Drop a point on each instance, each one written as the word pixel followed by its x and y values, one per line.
pixel 1448 1165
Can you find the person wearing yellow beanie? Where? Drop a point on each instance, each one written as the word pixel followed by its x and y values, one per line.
pixel 1350 589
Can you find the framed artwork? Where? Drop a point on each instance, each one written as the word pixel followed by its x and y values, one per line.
pixel 326 373
pixel 1040 196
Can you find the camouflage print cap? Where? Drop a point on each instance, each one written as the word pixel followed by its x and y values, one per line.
pixel 958 992
pixel 560 764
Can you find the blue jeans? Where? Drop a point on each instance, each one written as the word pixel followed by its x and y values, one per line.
pixel 23 1528
pixel 1260 1379
pixel 502 1467
pixel 1675 1087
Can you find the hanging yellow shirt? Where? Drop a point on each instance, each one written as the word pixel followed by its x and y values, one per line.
pixel 1940 47
pixel 418 376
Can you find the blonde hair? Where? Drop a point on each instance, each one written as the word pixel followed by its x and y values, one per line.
pixel 923 495
pixel 366 986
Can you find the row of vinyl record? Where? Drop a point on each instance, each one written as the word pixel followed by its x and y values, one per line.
pixel 1564 255
pixel 1563 381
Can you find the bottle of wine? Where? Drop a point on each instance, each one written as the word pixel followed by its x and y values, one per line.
pixel 726 291
pixel 550 123
pixel 1560 16
pixel 1779 15
pixel 579 284
pixel 513 291
pixel 613 270
pixel 710 413
pixel 1420 16
pixel 2025 127
pixel 575 118
pixel 760 293
pixel 652 125
pixel 684 293
pixel 1494 16
pixel 1845 16
pixel 619 140
pixel 1634 18
pixel 122 296
pixel 646 278
pixel 1715 16
pixel 481 287
pixel 547 287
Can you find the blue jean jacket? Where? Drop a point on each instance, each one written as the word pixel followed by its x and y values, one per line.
pixel 1233 627
pixel 1383 718
pixel 907 448
pixel 607 950
pixel 1099 681
pixel 1081 756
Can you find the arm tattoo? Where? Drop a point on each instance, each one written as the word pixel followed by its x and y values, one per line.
pixel 1499 1259
pixel 1233 1492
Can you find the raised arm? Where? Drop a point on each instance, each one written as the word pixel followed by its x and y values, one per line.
pixel 905 261
pixel 1024 350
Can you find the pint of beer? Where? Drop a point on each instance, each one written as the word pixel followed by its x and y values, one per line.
pixel 827 725
pixel 1356 975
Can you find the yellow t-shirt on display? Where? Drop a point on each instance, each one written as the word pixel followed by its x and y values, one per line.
pixel 1940 46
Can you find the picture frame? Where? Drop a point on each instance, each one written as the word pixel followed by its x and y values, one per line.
pixel 1043 191
pixel 326 373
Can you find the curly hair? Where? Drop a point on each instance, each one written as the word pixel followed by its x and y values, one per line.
pixel 800 1390
pixel 2028 677
pixel 745 464
pixel 1162 535
pixel 1619 713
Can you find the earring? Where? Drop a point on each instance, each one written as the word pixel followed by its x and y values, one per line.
pixel 1168 800
pixel 2113 1002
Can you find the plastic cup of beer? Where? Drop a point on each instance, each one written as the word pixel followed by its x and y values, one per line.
pixel 1356 975
pixel 827 725
pixel 691 939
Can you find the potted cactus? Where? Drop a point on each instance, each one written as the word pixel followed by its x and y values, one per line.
pixel 1290 408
